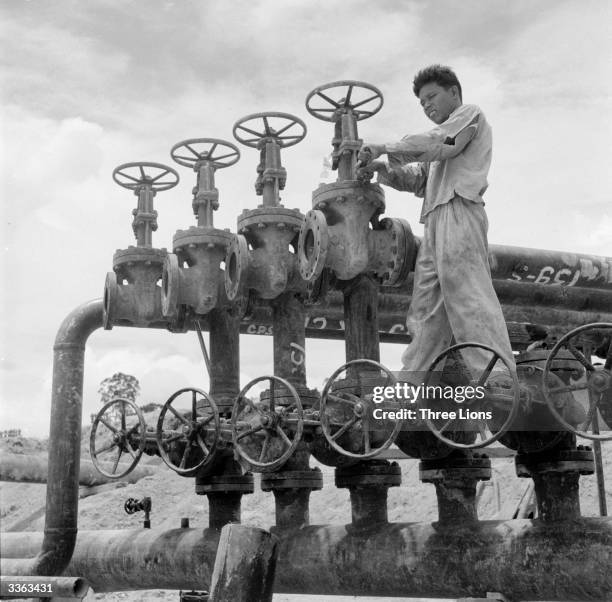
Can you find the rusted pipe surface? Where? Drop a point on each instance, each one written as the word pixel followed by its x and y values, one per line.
pixel 525 559
pixel 65 439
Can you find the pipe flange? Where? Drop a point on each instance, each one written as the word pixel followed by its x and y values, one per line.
pixel 293 479
pixel 403 252
pixel 476 467
pixel 111 291
pixel 170 287
pixel 368 474
pixel 236 268
pixel 134 255
pixel 565 460
pixel 225 484
pixel 200 236
pixel 308 397
pixel 313 244
pixel 333 197
pixel 281 217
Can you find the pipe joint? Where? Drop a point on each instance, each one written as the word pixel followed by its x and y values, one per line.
pixel 192 277
pixel 261 258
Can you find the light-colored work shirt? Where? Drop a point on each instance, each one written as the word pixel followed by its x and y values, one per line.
pixel 432 167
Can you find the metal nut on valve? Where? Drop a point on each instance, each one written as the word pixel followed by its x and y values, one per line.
pixel 313 243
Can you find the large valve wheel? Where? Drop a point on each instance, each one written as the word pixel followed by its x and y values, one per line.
pixel 501 398
pixel 361 99
pixel 119 426
pixel 155 176
pixel 187 436
pixel 346 411
pixel 280 127
pixel 313 243
pixel 194 151
pixel 266 434
pixel 597 382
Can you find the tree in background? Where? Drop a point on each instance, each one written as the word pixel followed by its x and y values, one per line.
pixel 121 385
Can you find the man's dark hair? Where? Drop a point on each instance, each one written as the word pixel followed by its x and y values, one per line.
pixel 438 74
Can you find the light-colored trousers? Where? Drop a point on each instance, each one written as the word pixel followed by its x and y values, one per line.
pixel 453 296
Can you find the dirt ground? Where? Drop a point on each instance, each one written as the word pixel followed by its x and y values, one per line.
pixel 173 497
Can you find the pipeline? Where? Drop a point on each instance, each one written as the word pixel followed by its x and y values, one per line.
pixel 21 468
pixel 64 442
pixel 523 559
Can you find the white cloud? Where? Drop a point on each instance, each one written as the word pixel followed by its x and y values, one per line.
pixel 105 83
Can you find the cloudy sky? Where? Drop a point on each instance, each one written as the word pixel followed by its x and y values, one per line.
pixel 89 85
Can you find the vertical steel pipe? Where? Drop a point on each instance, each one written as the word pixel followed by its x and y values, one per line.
pixel 289 334
pixel 224 358
pixel 65 442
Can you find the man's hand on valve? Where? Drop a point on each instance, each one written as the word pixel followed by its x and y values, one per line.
pixel 368 153
pixel 367 172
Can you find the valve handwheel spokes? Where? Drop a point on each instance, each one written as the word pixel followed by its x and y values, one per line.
pixel 361 99
pixel 597 381
pixel 346 411
pixel 194 151
pixel 118 429
pixel 155 176
pixel 266 434
pixel 283 128
pixel 502 398
pixel 187 436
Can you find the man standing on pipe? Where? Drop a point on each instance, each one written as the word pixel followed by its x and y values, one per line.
pixel 453 295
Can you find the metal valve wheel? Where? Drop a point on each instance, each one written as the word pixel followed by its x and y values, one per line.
pixel 266 434
pixel 187 437
pixel 155 176
pixel 114 427
pixel 361 99
pixel 597 382
pixel 500 398
pixel 346 412
pixel 313 243
pixel 197 150
pixel 272 125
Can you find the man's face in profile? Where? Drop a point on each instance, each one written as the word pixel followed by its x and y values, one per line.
pixel 438 102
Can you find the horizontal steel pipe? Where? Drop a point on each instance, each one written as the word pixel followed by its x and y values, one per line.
pixel 23 468
pixel 523 559
pixel 512 292
pixel 131 559
pixel 550 267
pixel 71 588
pixel 525 323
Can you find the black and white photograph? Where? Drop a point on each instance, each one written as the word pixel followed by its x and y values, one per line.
pixel 306 301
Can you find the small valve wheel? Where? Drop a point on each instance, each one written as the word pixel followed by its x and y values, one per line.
pixel 119 426
pixel 283 128
pixel 597 381
pixel 347 406
pixel 194 151
pixel 361 99
pixel 155 176
pixel 501 398
pixel 187 437
pixel 265 434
